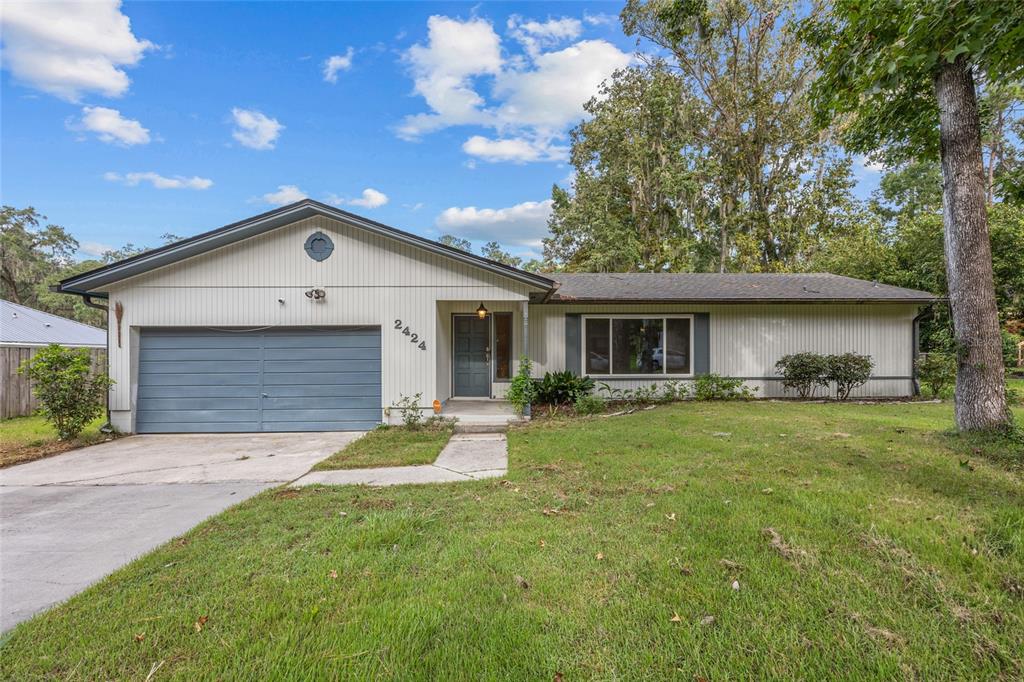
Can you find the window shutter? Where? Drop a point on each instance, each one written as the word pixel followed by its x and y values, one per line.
pixel 573 339
pixel 701 344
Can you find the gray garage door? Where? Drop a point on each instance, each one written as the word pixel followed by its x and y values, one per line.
pixel 295 379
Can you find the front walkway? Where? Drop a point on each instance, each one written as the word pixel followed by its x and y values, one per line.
pixel 466 457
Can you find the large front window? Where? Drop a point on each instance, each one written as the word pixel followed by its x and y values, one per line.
pixel 637 345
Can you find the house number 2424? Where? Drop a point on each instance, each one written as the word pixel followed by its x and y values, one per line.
pixel 413 337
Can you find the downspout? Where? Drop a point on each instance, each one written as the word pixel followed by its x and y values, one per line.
pixel 87 300
pixel 915 346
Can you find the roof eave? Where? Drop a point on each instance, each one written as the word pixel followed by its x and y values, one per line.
pixel 708 301
pixel 88 282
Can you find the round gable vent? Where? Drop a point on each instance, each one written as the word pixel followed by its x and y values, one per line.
pixel 319 246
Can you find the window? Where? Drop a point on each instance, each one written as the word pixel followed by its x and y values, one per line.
pixel 637 345
pixel 502 345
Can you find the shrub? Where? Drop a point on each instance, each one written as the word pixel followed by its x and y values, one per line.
pixel 672 391
pixel 804 372
pixel 562 388
pixel 1010 342
pixel 589 404
pixel 70 394
pixel 412 417
pixel 848 371
pixel 717 387
pixel 937 371
pixel 521 389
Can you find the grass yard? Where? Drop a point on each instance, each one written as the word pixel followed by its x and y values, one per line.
pixel 389 447
pixel 23 439
pixel 863 542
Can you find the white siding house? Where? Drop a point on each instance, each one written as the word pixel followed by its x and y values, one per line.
pixel 311 318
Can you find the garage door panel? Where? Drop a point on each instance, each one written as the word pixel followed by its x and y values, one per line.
pixel 185 416
pixel 195 381
pixel 367 425
pixel 195 403
pixel 176 340
pixel 322 354
pixel 179 354
pixel 352 338
pixel 202 367
pixel 321 378
pixel 148 391
pixel 315 366
pixel 324 391
pixel 305 403
pixel 192 379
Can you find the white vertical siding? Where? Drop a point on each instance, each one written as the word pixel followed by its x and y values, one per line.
pixel 747 340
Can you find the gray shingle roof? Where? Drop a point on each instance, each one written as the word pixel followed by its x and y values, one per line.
pixel 24 326
pixel 726 288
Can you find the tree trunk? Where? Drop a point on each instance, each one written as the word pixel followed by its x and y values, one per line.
pixel 980 398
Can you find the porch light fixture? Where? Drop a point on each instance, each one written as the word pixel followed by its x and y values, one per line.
pixel 481 312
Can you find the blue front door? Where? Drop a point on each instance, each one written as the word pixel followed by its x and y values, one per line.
pixel 471 357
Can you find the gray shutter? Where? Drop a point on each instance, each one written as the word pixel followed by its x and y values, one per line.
pixel 701 344
pixel 573 339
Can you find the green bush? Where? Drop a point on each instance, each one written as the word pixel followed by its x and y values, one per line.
pixel 937 371
pixel 803 372
pixel 412 416
pixel 521 389
pixel 1010 342
pixel 562 388
pixel 589 404
pixel 848 371
pixel 70 394
pixel 717 387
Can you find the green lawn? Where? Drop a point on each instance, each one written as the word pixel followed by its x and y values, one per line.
pixel 390 446
pixel 864 542
pixel 23 439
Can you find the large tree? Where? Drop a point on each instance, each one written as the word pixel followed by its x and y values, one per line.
pixel 28 253
pixel 903 78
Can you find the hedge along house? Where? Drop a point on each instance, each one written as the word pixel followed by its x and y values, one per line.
pixel 309 318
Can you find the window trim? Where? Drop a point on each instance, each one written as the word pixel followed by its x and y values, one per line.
pixel 511 346
pixel 632 316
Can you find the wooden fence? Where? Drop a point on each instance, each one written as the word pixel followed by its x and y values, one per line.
pixel 16 397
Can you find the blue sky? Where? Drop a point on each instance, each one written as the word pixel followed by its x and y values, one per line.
pixel 123 122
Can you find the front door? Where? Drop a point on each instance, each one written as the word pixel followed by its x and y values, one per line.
pixel 471 357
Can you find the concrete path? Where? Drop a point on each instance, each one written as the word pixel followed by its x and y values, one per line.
pixel 69 520
pixel 466 457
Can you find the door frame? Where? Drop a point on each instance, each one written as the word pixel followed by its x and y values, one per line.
pixel 490 360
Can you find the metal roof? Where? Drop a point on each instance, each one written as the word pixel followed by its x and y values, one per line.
pixel 22 326
pixel 89 282
pixel 727 288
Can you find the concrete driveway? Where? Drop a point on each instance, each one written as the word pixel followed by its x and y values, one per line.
pixel 69 520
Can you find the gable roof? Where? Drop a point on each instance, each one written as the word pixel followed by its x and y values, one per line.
pixel 818 287
pixel 24 326
pixel 88 282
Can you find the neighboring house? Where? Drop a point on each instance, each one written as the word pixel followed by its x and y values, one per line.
pixel 23 330
pixel 311 318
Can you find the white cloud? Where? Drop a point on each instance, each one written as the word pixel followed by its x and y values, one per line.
pixel 159 181
pixel 868 165
pixel 536 34
pixel 533 97
pixel 111 127
pixel 517 150
pixel 599 19
pixel 371 198
pixel 552 94
pixel 94 248
pixel 70 48
pixel 285 194
pixel 442 71
pixel 524 224
pixel 254 129
pixel 336 63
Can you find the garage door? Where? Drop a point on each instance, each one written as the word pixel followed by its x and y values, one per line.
pixel 295 379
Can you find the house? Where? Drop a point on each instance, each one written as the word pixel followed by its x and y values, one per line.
pixel 312 318
pixel 23 331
